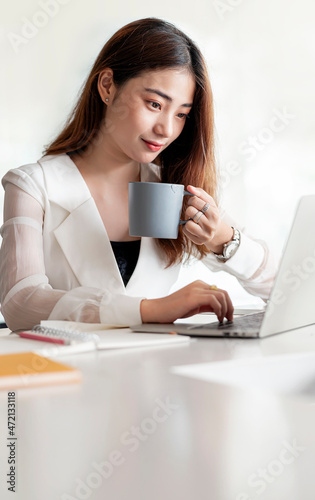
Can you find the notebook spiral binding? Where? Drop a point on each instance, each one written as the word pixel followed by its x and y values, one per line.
pixel 63 333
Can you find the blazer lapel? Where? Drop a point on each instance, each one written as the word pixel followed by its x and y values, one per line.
pixel 84 241
pixel 81 233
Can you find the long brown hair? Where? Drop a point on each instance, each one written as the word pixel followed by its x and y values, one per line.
pixel 145 45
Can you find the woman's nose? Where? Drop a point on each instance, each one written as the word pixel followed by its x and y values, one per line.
pixel 164 126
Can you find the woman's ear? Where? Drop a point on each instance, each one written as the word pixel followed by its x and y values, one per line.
pixel 105 85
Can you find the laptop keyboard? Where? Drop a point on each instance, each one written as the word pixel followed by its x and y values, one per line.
pixel 249 323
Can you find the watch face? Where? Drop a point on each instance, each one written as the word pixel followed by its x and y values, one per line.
pixel 230 249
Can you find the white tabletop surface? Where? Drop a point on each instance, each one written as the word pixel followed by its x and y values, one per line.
pixel 142 427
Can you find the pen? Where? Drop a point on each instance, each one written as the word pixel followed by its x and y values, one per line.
pixel 44 338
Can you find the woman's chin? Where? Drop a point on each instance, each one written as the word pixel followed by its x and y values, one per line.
pixel 145 158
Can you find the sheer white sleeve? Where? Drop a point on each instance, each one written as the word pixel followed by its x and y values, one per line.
pixel 25 293
pixel 253 265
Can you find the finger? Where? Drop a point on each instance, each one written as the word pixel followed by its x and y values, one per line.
pixel 206 219
pixel 199 203
pixel 194 232
pixel 220 296
pixel 215 304
pixel 192 213
pixel 215 298
pixel 230 307
pixel 205 302
pixel 200 194
pixel 198 226
pixel 224 299
pixel 197 222
pixel 199 299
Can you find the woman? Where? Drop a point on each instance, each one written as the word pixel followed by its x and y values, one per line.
pixel 145 114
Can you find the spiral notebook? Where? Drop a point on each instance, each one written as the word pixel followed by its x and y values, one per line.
pixel 83 337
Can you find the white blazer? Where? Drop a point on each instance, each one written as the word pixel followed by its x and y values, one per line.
pixel 77 255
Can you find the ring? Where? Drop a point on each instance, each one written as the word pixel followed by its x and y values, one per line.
pixel 213 287
pixel 197 220
pixel 205 208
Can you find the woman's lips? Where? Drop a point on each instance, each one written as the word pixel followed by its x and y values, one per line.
pixel 153 146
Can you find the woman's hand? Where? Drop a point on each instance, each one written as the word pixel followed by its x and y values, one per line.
pixel 207 228
pixel 197 297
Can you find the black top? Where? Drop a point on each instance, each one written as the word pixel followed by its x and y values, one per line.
pixel 126 254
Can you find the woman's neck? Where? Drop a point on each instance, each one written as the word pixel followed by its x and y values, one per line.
pixel 100 164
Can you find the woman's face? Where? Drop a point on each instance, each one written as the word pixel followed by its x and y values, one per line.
pixel 147 114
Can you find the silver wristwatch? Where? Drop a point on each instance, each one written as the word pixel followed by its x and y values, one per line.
pixel 230 248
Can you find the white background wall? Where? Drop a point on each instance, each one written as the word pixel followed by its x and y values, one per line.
pixel 260 55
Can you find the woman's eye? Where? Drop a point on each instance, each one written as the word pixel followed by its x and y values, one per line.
pixel 183 116
pixel 154 104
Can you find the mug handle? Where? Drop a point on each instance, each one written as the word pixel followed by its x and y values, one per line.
pixel 183 222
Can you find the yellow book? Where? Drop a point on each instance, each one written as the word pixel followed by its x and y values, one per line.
pixel 27 369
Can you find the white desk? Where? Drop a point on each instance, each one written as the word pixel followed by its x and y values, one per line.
pixel 215 442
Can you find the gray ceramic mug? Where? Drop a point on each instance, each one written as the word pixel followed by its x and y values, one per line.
pixel 155 208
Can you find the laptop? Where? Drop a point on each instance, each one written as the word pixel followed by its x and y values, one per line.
pixel 290 305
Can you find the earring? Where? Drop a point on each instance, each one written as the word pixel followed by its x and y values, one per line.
pixel 106 100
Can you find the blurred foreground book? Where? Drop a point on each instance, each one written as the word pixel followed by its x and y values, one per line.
pixel 27 369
